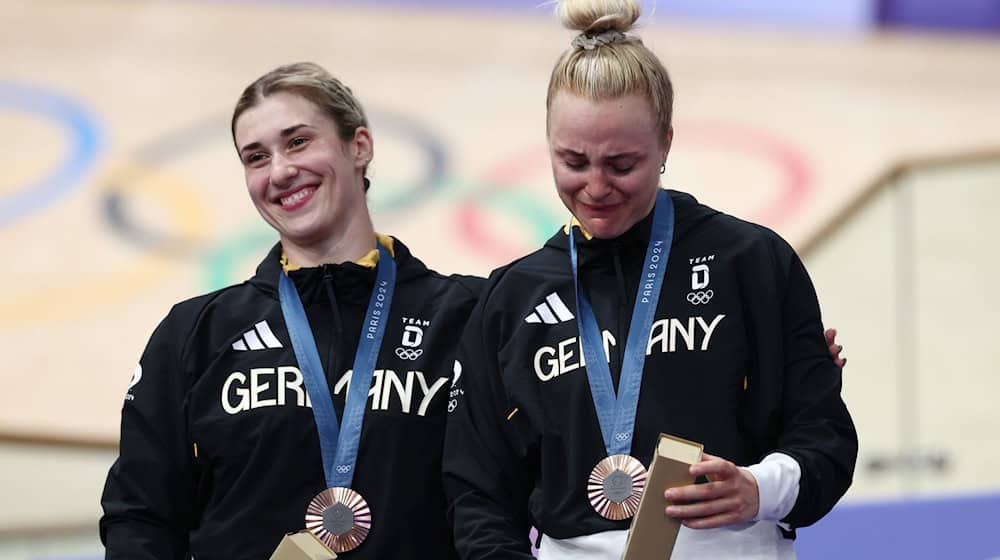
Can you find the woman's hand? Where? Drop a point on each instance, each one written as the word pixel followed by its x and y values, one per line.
pixel 834 348
pixel 730 496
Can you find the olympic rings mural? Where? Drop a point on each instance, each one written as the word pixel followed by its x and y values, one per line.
pixel 77 124
pixel 509 188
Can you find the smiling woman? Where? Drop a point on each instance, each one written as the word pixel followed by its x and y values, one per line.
pixel 304 157
pixel 304 180
pixel 233 437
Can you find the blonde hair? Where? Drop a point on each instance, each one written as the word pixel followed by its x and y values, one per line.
pixel 312 82
pixel 606 62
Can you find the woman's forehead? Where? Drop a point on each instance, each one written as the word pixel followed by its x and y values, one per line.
pixel 279 111
pixel 623 120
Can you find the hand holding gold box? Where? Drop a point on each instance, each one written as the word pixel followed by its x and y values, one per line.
pixel 652 534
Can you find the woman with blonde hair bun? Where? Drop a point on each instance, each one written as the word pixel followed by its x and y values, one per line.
pixel 648 313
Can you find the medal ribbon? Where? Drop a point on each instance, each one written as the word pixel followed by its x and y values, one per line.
pixel 339 447
pixel 616 415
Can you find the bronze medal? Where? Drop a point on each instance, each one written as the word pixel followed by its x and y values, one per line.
pixel 615 486
pixel 340 518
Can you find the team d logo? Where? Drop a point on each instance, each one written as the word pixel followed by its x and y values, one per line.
pixel 413 336
pixel 700 293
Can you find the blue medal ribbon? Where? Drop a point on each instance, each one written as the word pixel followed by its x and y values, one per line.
pixel 616 414
pixel 339 447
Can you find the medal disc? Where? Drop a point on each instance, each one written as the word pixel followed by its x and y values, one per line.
pixel 340 518
pixel 615 486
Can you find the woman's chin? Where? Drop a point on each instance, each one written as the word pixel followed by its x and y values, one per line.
pixel 604 227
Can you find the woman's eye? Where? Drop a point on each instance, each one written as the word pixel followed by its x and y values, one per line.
pixel 254 158
pixel 298 141
pixel 575 165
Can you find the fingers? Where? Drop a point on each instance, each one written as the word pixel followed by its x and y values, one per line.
pixel 723 476
pixel 715 468
pixel 708 508
pixel 723 504
pixel 730 497
pixel 698 492
pixel 834 348
pixel 835 354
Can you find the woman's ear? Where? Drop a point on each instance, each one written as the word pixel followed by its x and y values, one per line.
pixel 668 140
pixel 363 147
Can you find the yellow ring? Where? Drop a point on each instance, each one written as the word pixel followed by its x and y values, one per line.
pixel 87 293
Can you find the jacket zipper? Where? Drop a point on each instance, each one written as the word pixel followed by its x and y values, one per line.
pixel 623 315
pixel 331 294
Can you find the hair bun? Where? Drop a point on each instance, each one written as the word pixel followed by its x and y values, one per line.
pixel 596 16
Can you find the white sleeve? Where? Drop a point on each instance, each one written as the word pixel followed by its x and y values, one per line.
pixel 777 484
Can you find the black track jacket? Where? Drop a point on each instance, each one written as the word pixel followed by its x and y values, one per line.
pixel 219 449
pixel 736 360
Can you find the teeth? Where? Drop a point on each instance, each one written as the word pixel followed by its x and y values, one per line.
pixel 295 197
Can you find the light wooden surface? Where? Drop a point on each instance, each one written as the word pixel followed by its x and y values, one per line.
pixel 785 128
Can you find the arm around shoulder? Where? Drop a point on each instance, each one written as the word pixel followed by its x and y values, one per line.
pixel 486 461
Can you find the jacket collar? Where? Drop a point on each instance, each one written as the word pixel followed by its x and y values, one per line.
pixel 688 213
pixel 354 279
pixel 370 260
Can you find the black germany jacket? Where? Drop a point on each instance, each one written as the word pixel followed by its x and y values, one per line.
pixel 736 360
pixel 219 449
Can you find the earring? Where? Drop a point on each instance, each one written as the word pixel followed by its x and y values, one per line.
pixel 663 168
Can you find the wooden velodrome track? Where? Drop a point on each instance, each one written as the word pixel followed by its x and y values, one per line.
pixel 121 193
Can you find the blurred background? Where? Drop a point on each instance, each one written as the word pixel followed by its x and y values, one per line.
pixel 866 132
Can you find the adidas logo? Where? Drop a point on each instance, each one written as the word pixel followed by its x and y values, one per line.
pixel 258 338
pixel 551 311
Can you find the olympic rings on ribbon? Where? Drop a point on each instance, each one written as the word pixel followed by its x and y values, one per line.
pixel 699 298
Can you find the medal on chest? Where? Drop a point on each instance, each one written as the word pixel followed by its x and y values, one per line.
pixel 339 516
pixel 616 483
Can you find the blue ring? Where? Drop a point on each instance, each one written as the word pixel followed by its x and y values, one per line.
pixel 85 138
